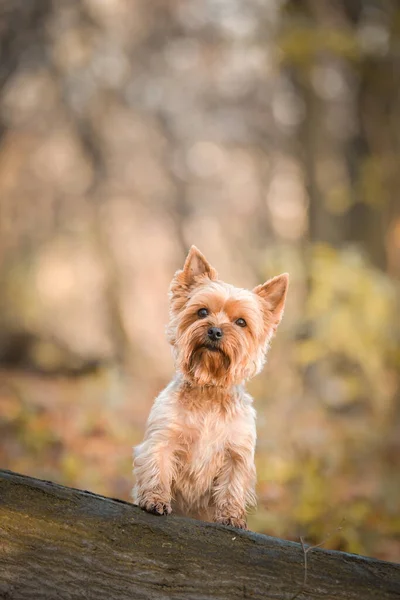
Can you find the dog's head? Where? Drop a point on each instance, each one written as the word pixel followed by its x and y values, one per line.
pixel 220 333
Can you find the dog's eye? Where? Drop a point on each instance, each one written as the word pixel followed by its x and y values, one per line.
pixel 202 312
pixel 241 322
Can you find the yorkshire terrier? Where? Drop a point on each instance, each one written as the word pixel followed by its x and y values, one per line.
pixel 197 457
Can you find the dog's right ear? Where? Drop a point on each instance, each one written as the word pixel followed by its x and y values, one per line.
pixel 196 270
pixel 197 265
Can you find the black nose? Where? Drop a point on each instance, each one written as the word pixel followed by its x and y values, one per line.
pixel 215 333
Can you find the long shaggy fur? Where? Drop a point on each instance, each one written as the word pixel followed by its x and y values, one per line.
pixel 197 457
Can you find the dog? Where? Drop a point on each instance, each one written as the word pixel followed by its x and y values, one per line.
pixel 197 457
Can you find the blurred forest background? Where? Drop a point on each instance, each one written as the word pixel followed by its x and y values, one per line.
pixel 266 133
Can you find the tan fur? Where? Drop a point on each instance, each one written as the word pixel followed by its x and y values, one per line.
pixel 197 457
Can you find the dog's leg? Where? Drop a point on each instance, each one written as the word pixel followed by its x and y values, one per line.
pixel 154 471
pixel 234 489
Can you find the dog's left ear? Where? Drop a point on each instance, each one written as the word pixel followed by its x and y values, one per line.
pixel 274 293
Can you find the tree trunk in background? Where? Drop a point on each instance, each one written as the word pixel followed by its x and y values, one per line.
pixel 350 91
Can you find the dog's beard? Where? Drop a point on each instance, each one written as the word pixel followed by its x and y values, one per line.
pixel 209 364
pixel 205 362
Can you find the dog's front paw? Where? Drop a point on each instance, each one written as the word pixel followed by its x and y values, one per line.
pixel 156 506
pixel 159 508
pixel 238 522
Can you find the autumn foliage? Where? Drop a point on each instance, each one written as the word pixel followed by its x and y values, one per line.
pixel 269 138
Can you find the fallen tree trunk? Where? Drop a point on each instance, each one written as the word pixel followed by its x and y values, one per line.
pixel 58 542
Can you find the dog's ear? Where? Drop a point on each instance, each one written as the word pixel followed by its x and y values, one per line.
pixel 197 265
pixel 274 293
pixel 196 270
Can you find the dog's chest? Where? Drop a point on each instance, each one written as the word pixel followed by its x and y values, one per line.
pixel 205 436
pixel 203 445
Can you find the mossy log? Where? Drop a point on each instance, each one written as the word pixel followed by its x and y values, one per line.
pixel 58 542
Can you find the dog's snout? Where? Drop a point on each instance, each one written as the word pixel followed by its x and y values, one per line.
pixel 215 333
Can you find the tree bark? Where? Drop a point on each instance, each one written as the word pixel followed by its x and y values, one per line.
pixel 58 542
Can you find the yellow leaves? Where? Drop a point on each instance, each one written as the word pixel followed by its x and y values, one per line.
pixel 308 351
pixel 301 45
pixel 373 175
pixel 338 200
pixel 350 353
pixel 352 309
pixel 394 525
pixel 353 541
pixel 70 468
pixel 275 468
pixel 313 497
pixel 358 512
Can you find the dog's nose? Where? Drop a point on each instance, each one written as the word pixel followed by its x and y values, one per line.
pixel 215 333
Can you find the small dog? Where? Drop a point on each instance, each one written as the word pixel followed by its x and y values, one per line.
pixel 197 457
